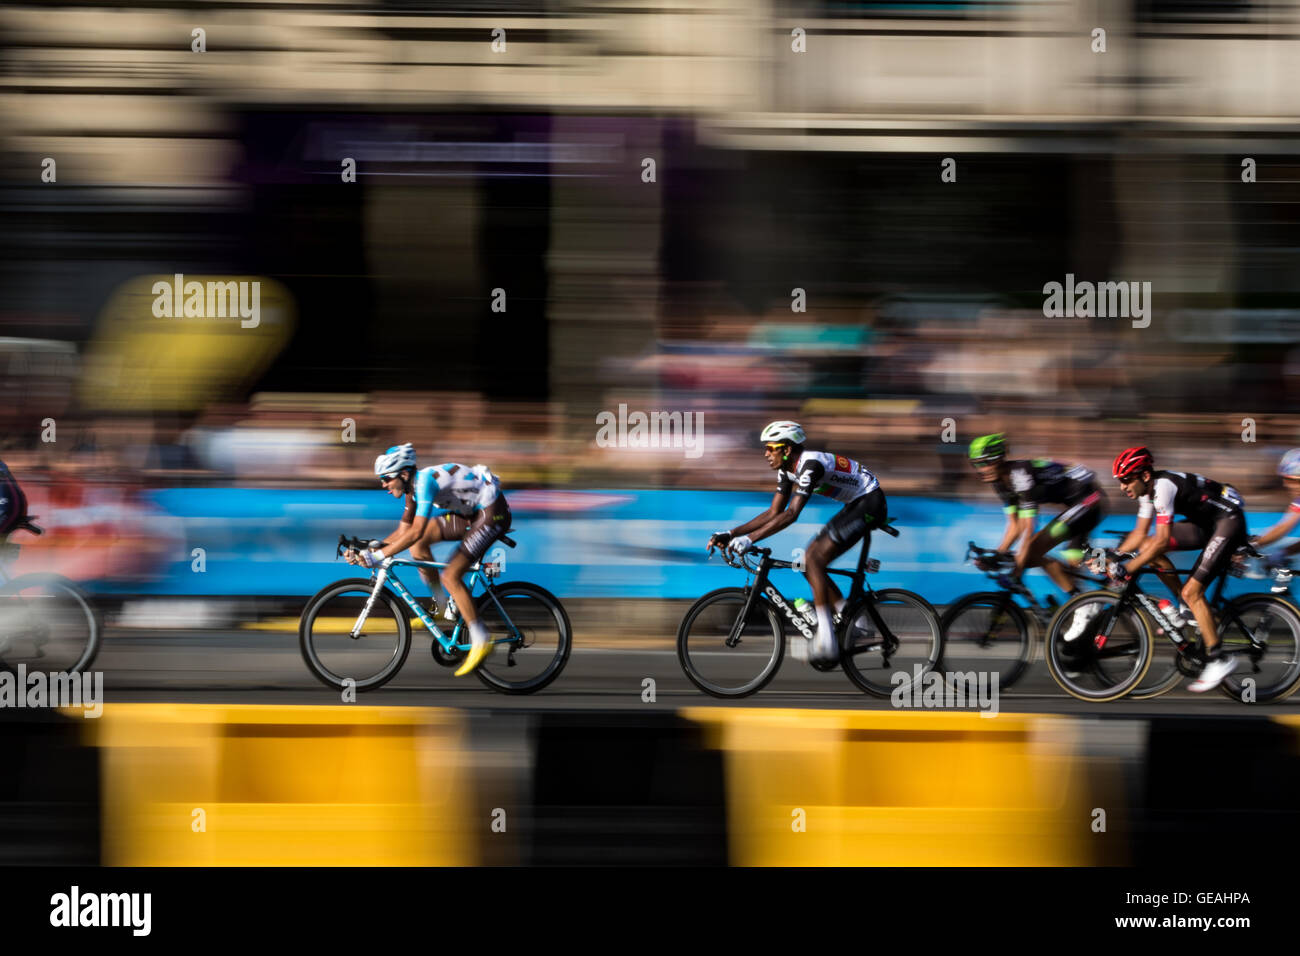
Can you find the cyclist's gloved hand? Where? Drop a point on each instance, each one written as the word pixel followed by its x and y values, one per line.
pixel 350 556
pixel 720 539
pixel 738 545
pixel 369 559
pixel 986 562
pixel 1117 575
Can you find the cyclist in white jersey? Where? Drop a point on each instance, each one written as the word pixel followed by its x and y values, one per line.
pixel 477 515
pixel 1289 470
pixel 802 474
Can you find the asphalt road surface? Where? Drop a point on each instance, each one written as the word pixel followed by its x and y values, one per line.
pixel 241 666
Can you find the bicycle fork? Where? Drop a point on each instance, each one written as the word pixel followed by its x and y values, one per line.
pixel 380 577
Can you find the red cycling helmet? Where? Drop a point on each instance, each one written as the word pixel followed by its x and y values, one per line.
pixel 1132 460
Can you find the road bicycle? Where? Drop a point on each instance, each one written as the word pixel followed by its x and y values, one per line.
pixel 1113 655
pixel 994 631
pixel 47 623
pixel 357 632
pixel 731 641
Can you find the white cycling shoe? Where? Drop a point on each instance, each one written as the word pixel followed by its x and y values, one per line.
pixel 1213 674
pixel 825 651
pixel 1079 623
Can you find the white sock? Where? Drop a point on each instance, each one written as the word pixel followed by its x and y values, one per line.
pixel 478 633
pixel 825 633
pixel 435 589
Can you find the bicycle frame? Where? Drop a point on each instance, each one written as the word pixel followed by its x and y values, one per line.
pixel 1133 594
pixel 761 584
pixel 385 576
pixel 1042 611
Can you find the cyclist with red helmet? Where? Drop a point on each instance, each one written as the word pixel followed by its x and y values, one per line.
pixel 1213 521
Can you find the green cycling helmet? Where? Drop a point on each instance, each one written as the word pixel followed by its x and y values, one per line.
pixel 988 448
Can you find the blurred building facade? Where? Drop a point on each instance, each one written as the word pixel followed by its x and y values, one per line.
pixel 506 266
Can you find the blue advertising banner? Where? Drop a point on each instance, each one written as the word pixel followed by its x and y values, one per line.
pixel 579 544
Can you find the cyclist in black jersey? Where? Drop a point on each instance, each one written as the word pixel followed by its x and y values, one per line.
pixel 801 474
pixel 1023 485
pixel 1213 520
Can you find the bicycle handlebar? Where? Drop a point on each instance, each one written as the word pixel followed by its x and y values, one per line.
pixel 356 544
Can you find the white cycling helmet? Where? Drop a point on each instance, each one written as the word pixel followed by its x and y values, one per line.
pixel 395 459
pixel 784 431
pixel 1289 466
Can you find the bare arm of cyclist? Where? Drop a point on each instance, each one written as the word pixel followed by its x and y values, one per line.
pixel 1028 519
pixel 777 506
pixel 1012 532
pixel 407 534
pixel 1136 536
pixel 1152 547
pixel 1279 530
pixel 782 520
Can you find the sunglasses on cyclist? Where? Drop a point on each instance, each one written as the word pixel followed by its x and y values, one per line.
pixel 778 447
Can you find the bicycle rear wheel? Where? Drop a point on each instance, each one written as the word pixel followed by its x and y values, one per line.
pixel 370 659
pixel 1095 666
pixel 987 633
pixel 1268 668
pixel 47 624
pixel 531 634
pixel 724 671
pixel 882 664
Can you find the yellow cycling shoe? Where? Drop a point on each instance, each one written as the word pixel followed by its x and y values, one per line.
pixel 475 657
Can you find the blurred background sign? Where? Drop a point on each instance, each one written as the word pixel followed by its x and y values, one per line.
pixel 139 360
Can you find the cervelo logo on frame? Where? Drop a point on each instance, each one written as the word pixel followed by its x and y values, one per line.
pixel 1102 300
pixel 651 430
pixel 211 300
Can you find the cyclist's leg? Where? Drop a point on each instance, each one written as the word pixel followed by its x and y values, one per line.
pixel 1073 525
pixel 850 525
pixel 448 527
pixel 1183 536
pixel 1227 535
pixel 820 554
pixel 488 525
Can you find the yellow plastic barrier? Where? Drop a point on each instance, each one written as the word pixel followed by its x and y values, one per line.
pixel 250 785
pixel 889 788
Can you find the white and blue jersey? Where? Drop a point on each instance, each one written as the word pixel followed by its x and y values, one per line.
pixel 456 488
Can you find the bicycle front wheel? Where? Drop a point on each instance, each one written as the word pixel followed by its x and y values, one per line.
pixel 730 671
pixel 531 638
pixel 47 623
pixel 987 633
pixel 1268 667
pixel 1093 665
pixel 368 658
pixel 882 663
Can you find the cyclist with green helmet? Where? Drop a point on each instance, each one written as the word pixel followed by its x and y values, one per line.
pixel 1023 485
pixel 1289 470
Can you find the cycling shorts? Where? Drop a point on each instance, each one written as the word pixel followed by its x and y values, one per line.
pixel 1076 522
pixel 857 518
pixel 1219 542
